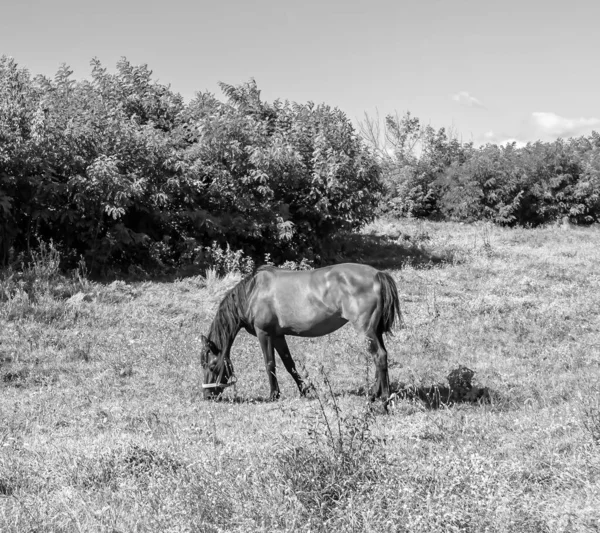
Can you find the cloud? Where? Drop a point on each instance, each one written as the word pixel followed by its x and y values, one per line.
pixel 542 126
pixel 500 140
pixel 552 126
pixel 464 98
pixel 511 140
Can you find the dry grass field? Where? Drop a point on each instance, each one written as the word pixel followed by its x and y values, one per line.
pixel 103 427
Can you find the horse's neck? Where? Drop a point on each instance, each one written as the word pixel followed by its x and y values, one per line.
pixel 224 339
pixel 229 341
pixel 228 321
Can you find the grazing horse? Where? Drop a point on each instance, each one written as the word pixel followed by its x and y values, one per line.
pixel 273 303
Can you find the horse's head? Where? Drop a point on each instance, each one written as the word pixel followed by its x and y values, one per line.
pixel 217 368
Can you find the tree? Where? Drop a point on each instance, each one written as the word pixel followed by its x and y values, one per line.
pixel 413 157
pixel 120 170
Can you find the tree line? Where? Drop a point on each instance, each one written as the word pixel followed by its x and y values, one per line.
pixel 430 173
pixel 120 170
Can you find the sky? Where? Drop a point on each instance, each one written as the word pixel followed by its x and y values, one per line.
pixel 521 70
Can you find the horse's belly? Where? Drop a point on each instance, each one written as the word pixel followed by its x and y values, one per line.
pixel 315 328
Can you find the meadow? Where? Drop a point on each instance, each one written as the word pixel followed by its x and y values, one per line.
pixel 103 427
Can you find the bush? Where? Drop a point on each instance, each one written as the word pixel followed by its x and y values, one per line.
pixel 537 184
pixel 38 288
pixel 428 173
pixel 413 158
pixel 120 170
pixel 225 261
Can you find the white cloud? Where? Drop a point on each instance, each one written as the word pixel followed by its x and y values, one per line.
pixel 542 126
pixel 550 126
pixel 500 140
pixel 517 142
pixel 464 98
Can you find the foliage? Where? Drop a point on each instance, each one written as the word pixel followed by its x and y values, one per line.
pixel 429 173
pixel 225 261
pixel 413 157
pixel 26 287
pixel 540 183
pixel 121 170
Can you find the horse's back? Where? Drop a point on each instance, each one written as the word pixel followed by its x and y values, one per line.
pixel 349 277
pixel 354 276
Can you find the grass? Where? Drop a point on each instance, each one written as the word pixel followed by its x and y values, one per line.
pixel 103 427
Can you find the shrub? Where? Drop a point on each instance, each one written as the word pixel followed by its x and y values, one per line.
pixel 225 261
pixel 38 288
pixel 120 170
pixel 413 157
pixel 537 184
pixel 429 173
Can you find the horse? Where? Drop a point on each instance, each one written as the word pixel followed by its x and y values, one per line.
pixel 272 303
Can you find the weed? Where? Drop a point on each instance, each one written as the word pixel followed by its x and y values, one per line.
pixel 590 417
pixel 342 455
pixel 303 264
pixel 138 460
pixel 39 289
pixel 486 237
pixel 82 353
pixel 123 370
pixel 225 261
pixel 6 487
pixel 15 378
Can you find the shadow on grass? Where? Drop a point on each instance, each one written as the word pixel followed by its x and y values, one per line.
pixel 241 399
pixel 435 396
pixel 381 252
pixel 431 396
pixel 460 389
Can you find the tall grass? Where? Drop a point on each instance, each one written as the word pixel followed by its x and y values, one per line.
pixel 103 427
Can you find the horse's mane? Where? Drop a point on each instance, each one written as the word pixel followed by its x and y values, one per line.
pixel 231 312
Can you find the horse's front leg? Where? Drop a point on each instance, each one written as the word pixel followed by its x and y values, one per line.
pixel 284 352
pixel 266 343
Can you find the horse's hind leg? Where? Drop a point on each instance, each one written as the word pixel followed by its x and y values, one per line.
pixel 284 352
pixel 266 343
pixel 368 327
pixel 377 349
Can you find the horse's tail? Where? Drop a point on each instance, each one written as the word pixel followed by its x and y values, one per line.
pixel 390 308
